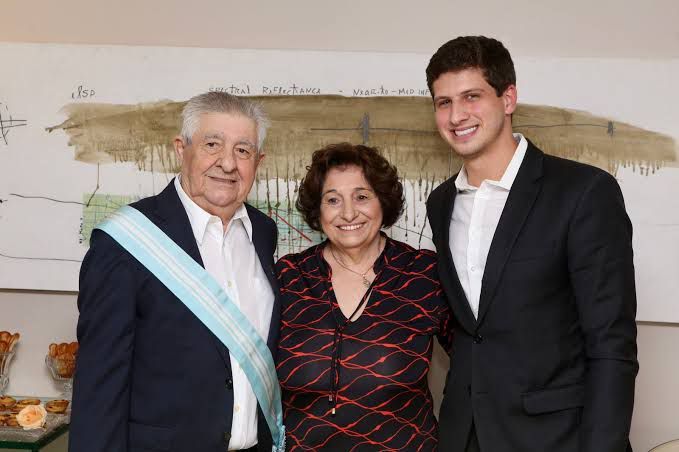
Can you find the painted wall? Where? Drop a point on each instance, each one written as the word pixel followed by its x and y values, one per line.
pixel 605 28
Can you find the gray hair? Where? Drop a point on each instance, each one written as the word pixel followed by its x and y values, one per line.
pixel 220 102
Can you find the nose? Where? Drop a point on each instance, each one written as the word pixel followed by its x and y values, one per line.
pixel 458 113
pixel 348 210
pixel 227 161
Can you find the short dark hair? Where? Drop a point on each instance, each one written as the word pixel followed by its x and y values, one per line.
pixel 380 174
pixel 465 52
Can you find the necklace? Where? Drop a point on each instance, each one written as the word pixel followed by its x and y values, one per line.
pixel 366 281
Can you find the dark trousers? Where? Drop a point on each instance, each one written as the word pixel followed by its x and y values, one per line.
pixel 472 441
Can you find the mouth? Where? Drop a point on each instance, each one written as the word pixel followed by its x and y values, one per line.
pixel 224 180
pixel 465 132
pixel 350 227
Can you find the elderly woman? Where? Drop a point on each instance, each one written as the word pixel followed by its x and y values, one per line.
pixel 359 314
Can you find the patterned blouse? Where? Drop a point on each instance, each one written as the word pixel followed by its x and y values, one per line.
pixel 361 385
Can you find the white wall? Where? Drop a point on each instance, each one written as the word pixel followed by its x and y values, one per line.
pixel 604 28
pixel 41 318
pixel 613 28
pixel 656 414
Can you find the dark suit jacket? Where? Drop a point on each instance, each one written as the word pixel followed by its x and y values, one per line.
pixel 149 374
pixel 550 364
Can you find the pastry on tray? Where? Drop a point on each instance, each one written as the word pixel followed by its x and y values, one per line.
pixel 21 404
pixel 12 421
pixel 56 406
pixel 7 402
pixel 24 402
pixel 8 420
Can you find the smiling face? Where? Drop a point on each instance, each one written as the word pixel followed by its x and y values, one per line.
pixel 218 166
pixel 470 116
pixel 351 214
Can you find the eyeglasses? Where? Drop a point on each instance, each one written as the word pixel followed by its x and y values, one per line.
pixel 242 151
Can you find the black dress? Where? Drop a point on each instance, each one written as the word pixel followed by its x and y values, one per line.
pixel 372 372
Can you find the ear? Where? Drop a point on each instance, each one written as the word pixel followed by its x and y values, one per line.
pixel 260 157
pixel 179 148
pixel 509 98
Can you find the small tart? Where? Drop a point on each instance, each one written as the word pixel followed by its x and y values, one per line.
pixel 7 402
pixel 56 406
pixel 25 402
pixel 12 422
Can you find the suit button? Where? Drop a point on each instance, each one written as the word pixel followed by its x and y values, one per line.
pixel 227 437
pixel 229 383
pixel 478 339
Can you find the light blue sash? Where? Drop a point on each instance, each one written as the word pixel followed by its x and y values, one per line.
pixel 196 288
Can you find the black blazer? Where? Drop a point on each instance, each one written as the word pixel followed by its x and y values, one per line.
pixel 149 375
pixel 551 361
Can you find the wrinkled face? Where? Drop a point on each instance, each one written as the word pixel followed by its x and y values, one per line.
pixel 469 114
pixel 351 214
pixel 218 167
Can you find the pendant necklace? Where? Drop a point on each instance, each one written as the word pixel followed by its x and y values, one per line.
pixel 366 281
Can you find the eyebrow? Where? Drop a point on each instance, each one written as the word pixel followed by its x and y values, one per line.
pixel 220 136
pixel 247 142
pixel 463 93
pixel 217 135
pixel 355 190
pixel 472 90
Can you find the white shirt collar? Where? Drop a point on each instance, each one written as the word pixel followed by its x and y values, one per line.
pixel 462 183
pixel 200 219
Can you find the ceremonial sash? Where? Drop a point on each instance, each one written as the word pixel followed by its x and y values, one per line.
pixel 198 290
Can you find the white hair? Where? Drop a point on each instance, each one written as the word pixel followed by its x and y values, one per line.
pixel 220 102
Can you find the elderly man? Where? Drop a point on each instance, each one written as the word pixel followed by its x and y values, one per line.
pixel 177 303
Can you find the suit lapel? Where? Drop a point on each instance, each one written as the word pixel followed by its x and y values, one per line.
pixel 174 221
pixel 450 280
pixel 519 203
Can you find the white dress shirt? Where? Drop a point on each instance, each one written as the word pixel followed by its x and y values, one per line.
pixel 230 257
pixel 476 214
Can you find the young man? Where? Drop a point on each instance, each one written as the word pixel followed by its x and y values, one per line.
pixel 154 371
pixel 535 256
